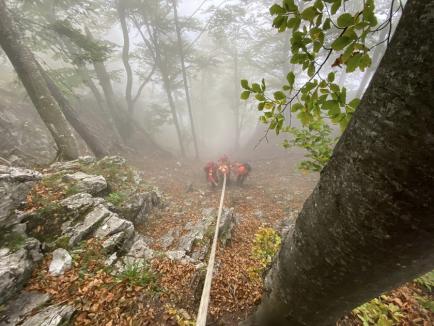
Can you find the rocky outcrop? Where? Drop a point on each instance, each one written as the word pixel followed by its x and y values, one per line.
pixel 117 232
pixel 227 223
pixel 76 218
pixel 197 231
pixel 55 315
pixel 15 269
pixel 140 250
pixel 192 246
pixel 80 202
pixel 90 223
pixel 138 206
pixel 15 183
pixel 112 160
pixel 83 182
pixel 72 165
pixel 21 306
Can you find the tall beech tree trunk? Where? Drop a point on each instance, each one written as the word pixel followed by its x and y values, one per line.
pixel 91 140
pixel 27 69
pixel 369 224
pixel 172 106
pixel 184 78
pixel 126 56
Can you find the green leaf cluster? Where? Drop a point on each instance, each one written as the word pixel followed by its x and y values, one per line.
pixel 265 246
pixel 315 35
pixel 116 198
pixel 317 141
pixel 137 274
pixel 378 312
pixel 426 303
pixel 426 281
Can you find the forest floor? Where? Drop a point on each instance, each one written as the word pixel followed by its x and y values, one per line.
pixel 274 192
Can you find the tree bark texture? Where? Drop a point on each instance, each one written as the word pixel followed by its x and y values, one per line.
pixel 369 224
pixel 91 140
pixel 27 69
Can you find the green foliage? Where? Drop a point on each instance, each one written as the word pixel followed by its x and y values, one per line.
pixel 116 198
pixel 62 242
pixel 426 303
pixel 317 141
pixel 319 32
pixel 265 246
pixel 138 274
pixel 427 280
pixel 378 312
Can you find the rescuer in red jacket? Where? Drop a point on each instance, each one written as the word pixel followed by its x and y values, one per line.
pixel 224 168
pixel 241 171
pixel 211 173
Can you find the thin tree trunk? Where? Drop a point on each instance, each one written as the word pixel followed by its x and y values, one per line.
pixel 184 77
pixel 126 56
pixel 84 74
pixel 368 226
pixel 168 89
pixel 237 100
pixel 27 69
pixel 121 121
pixel 87 80
pixel 91 140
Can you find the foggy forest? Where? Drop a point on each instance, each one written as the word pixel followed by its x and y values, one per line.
pixel 217 162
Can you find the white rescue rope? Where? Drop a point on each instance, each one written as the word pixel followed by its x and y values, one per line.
pixel 204 300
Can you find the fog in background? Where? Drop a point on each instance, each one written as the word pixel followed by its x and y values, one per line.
pixel 223 42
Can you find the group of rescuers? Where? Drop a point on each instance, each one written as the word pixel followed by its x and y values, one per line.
pixel 215 172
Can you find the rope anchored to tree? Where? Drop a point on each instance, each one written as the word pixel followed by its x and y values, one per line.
pixel 204 300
